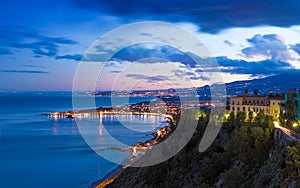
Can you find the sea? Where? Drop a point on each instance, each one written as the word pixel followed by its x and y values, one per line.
pixel 42 151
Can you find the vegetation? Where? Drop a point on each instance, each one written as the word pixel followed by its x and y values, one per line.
pixel 291 116
pixel 243 155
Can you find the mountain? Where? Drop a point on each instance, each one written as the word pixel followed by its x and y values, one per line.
pixel 273 84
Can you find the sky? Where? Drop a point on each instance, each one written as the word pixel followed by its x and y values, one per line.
pixel 42 43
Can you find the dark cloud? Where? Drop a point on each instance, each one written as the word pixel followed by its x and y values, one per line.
pixel 212 15
pixel 194 76
pixel 228 43
pixel 157 53
pixel 25 71
pixel 296 48
pixel 265 67
pixel 75 57
pixel 23 38
pixel 115 72
pixel 270 46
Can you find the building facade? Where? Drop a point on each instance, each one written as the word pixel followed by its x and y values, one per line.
pixel 271 106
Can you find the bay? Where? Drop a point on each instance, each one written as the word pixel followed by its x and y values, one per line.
pixel 38 151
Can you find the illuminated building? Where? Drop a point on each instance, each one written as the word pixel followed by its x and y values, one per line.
pixel 272 106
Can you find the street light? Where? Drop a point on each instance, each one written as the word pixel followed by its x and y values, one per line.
pixel 226 116
pixel 295 124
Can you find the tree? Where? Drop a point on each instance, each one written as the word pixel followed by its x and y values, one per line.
pixel 239 144
pixel 267 134
pixel 293 157
pixel 232 178
pixel 250 116
pixel 240 118
pixel 291 106
pixel 260 118
pixel 259 136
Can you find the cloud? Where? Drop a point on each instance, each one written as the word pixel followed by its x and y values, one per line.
pixel 75 57
pixel 34 66
pixel 228 43
pixel 146 34
pixel 25 71
pixel 154 53
pixel 265 67
pixel 270 46
pixel 149 79
pixel 23 38
pixel 5 51
pixel 296 48
pixel 211 16
pixel 115 72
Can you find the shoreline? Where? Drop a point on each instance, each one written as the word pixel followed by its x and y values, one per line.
pixel 134 151
pixel 141 108
pixel 108 178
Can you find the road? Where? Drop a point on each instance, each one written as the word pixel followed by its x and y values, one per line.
pixel 290 133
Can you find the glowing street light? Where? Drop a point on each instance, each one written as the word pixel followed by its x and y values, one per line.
pixel 226 116
pixel 295 124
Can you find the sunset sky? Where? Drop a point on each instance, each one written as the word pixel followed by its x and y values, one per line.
pixel 42 42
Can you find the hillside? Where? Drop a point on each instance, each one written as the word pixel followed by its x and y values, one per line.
pixel 273 84
pixel 243 155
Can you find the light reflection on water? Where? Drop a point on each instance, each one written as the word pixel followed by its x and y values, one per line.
pixel 50 152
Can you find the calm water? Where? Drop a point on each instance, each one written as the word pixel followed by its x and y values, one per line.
pixel 37 151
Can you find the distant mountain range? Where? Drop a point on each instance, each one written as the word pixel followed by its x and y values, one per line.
pixel 273 84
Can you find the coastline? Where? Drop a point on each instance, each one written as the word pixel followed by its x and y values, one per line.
pixel 133 151
pixel 111 176
pixel 108 178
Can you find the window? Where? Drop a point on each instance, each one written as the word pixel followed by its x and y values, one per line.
pixel 233 102
pixel 244 109
pixel 238 102
pixel 233 108
pixel 238 109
